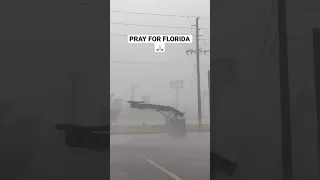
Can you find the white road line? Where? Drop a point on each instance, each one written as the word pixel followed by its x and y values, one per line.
pixel 173 176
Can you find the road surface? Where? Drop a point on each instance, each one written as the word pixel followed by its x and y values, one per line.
pixel 43 155
pixel 160 157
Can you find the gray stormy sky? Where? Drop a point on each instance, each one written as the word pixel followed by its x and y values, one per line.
pixel 151 71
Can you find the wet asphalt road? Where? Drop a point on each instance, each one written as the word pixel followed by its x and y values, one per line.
pixel 160 157
pixel 44 155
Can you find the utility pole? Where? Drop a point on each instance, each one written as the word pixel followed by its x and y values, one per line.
pixel 284 92
pixel 176 85
pixel 197 52
pixel 177 98
pixel 198 73
pixel 209 89
pixel 133 91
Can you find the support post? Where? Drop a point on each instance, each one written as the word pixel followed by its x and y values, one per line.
pixel 284 92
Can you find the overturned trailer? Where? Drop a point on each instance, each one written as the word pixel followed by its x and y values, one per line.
pixel 175 121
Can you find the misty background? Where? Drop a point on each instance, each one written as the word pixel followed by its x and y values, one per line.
pixel 152 72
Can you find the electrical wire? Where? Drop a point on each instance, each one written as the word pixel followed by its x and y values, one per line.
pixel 167 64
pixel 156 26
pixel 115 34
pixel 150 25
pixel 190 25
pixel 137 62
pixel 155 14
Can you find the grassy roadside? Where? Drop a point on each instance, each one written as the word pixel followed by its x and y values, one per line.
pixel 153 129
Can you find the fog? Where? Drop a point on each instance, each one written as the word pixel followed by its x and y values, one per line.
pixel 147 155
pixel 152 72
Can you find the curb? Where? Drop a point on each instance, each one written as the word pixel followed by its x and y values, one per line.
pixel 148 132
pixel 138 132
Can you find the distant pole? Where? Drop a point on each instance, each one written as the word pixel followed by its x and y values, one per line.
pixel 133 91
pixel 177 98
pixel 176 85
pixel 209 88
pixel 284 92
pixel 198 73
pixel 202 102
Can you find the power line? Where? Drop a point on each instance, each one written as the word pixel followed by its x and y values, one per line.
pixel 157 14
pixel 196 52
pixel 151 25
pixel 137 62
pixel 190 25
pixel 114 34
pixel 153 63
